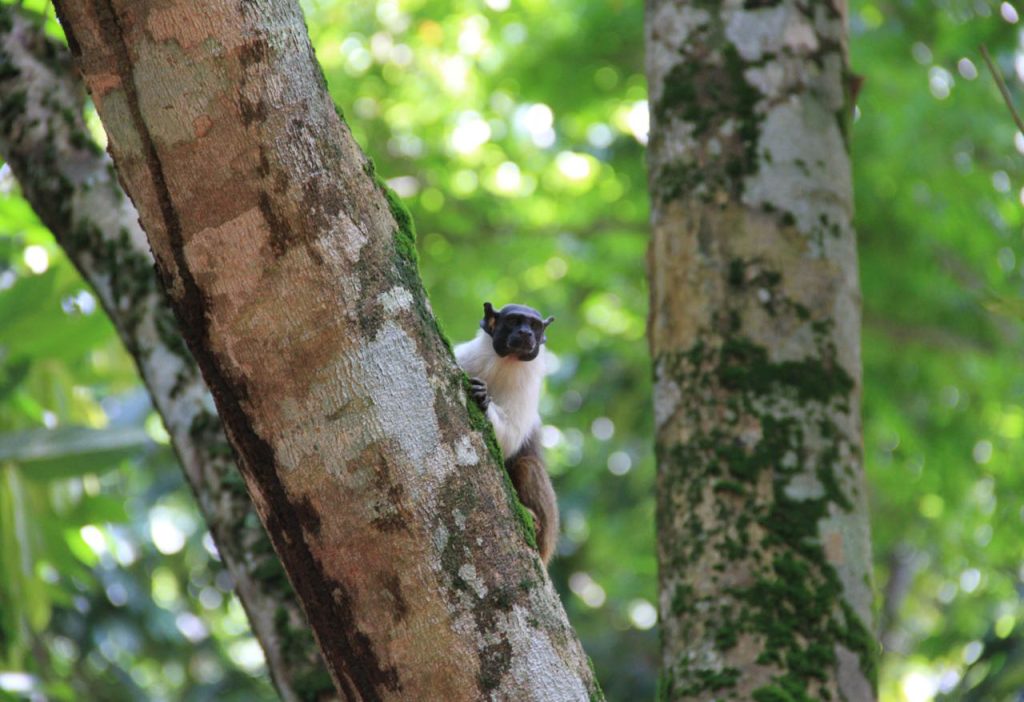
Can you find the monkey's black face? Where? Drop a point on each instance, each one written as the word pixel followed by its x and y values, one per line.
pixel 516 330
pixel 518 334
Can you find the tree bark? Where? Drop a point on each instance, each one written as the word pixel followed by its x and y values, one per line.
pixel 763 541
pixel 71 185
pixel 293 273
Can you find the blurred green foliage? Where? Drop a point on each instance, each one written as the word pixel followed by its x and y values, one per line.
pixel 514 131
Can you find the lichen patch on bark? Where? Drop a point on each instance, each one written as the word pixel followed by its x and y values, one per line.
pixel 763 548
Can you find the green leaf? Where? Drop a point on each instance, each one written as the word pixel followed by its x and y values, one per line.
pixel 22 299
pixel 1010 307
pixel 46 454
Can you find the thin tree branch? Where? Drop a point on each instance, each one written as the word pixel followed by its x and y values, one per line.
pixel 1002 88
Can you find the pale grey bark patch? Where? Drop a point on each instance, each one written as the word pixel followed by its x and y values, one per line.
pixel 767 31
pixel 388 412
pixel 468 573
pixel 817 193
pixel 667 397
pixel 465 454
pixel 673 25
pixel 545 679
pixel 399 411
pixel 850 530
pixel 852 683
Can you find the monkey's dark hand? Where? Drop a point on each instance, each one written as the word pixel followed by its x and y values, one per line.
pixel 478 391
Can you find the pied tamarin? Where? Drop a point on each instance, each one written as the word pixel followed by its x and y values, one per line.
pixel 505 364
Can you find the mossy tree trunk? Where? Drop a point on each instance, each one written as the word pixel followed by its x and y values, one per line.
pixel 71 185
pixel 763 541
pixel 292 272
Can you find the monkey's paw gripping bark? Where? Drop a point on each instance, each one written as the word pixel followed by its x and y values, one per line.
pixel 478 391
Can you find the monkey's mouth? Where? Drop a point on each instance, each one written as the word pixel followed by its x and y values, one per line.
pixel 527 352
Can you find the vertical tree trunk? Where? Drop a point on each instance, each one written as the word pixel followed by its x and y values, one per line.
pixel 755 312
pixel 293 274
pixel 71 185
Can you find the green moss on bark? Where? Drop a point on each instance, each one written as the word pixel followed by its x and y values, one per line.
pixel 7 68
pixel 595 693
pixel 12 107
pixel 478 420
pixel 310 681
pixel 405 258
pixel 788 411
pixel 708 90
pixel 744 368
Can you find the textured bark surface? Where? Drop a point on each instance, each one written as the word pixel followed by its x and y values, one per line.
pixel 755 313
pixel 293 273
pixel 71 185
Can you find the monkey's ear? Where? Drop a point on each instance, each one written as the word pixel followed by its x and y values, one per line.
pixel 490 318
pixel 547 322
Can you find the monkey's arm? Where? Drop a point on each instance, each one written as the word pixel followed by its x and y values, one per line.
pixel 533 485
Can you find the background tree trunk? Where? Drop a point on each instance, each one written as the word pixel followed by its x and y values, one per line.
pixel 71 185
pixel 755 313
pixel 293 274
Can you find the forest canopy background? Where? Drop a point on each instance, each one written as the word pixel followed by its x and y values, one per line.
pixel 514 132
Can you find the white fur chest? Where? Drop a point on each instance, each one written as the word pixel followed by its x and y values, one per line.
pixel 514 387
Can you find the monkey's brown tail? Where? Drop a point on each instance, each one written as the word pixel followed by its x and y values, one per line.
pixel 530 478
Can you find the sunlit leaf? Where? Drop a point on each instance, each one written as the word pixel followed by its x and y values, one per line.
pixel 1011 307
pixel 47 454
